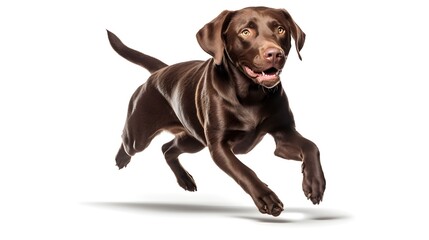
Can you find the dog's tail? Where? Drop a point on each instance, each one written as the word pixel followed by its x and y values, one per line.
pixel 150 63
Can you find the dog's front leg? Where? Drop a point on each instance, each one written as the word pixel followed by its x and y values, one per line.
pixel 291 145
pixel 265 199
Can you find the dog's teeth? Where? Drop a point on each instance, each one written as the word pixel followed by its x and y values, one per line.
pixel 263 74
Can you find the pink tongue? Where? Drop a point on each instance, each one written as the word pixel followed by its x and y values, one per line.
pixel 262 78
pixel 251 73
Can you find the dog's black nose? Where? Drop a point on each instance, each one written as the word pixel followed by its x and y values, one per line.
pixel 273 55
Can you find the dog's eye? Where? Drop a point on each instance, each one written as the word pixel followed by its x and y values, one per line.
pixel 245 32
pixel 281 30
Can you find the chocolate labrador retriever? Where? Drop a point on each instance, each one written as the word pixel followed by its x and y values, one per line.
pixel 227 103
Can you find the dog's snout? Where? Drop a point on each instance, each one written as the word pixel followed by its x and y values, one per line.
pixel 273 54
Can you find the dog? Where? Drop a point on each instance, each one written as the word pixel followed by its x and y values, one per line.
pixel 227 103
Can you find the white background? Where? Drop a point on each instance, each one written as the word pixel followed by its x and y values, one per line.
pixel 360 93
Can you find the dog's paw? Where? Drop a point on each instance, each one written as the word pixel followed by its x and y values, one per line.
pixel 313 186
pixel 186 181
pixel 269 204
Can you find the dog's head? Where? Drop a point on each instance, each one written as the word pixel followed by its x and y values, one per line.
pixel 257 40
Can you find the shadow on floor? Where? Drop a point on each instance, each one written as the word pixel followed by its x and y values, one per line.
pixel 290 215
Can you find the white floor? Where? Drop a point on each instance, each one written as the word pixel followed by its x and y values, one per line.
pixel 360 94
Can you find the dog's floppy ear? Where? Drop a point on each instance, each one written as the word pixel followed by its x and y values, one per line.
pixel 297 34
pixel 210 37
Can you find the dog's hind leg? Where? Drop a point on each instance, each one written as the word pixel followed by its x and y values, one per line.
pixel 182 143
pixel 122 158
pixel 148 115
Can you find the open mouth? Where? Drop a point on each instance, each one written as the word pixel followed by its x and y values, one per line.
pixel 268 78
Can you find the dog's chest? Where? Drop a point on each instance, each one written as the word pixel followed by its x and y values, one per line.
pixel 247 119
pixel 245 129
